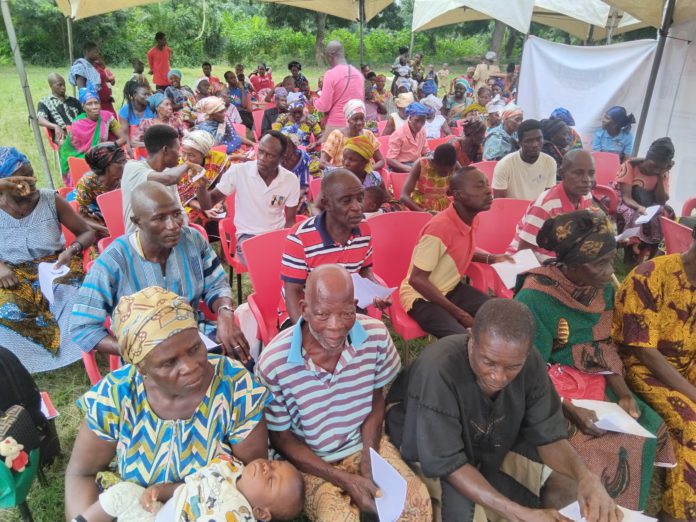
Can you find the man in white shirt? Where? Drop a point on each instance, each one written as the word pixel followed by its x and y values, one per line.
pixel 267 194
pixel 528 172
pixel 161 165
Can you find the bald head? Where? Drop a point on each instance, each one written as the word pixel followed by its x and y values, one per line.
pixel 463 176
pixel 57 85
pixel 577 156
pixel 334 48
pixel 150 197
pixel 329 282
pixel 338 180
pixel 53 78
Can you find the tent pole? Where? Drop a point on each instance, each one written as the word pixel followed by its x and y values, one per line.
pixel 71 52
pixel 12 37
pixel 361 15
pixel 413 40
pixel 664 30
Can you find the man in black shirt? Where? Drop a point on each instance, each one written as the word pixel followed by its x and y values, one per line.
pixel 56 111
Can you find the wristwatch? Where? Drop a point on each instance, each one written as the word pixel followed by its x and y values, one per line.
pixel 225 307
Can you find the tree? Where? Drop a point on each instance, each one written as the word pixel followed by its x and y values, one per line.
pixel 497 36
pixel 319 44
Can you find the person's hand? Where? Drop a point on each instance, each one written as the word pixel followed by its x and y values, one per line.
pixel 58 133
pixel 381 304
pixel 131 152
pixel 499 258
pixel 628 403
pixel 64 257
pixel 150 498
pixel 231 337
pixel 213 213
pixel 595 503
pixel 19 185
pixel 362 492
pixel 641 210
pixel 584 419
pixel 539 515
pixel 463 318
pixel 8 279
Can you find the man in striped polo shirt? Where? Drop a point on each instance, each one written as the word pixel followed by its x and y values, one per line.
pixel 327 373
pixel 573 193
pixel 339 235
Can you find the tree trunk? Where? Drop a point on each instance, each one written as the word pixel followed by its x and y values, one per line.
pixel 319 45
pixel 497 37
pixel 510 44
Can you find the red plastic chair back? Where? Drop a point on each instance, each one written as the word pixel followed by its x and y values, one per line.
pixel 398 180
pixel 607 196
pixel 497 226
pixel 386 179
pixel 201 230
pixel 67 234
pixel 64 191
pixel 78 168
pixel 240 129
pixel 139 153
pixel 380 126
pixel 394 236
pixel 90 360
pixel 606 166
pixel 678 237
pixel 314 189
pixel 50 141
pixel 688 208
pixel 258 120
pixel 436 142
pixel 104 242
pixel 487 167
pixel 111 205
pixel 384 146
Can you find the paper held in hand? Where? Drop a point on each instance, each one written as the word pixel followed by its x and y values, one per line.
pixel 366 291
pixel 508 272
pixel 649 214
pixel 612 417
pixel 572 511
pixel 392 487
pixel 47 274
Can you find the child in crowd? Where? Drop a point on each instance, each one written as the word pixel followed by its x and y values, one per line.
pixel 223 490
pixel 373 200
pixel 138 76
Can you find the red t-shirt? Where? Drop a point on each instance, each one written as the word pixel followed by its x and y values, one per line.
pixel 261 82
pixel 158 60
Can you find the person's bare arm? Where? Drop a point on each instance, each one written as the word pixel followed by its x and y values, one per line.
pixel 90 455
pixel 75 223
pixel 664 371
pixel 405 196
pixel 108 345
pixel 207 199
pixel 397 166
pixel 290 216
pixel 254 446
pixel 293 294
pixel 661 195
pixel 627 198
pixel 389 128
pixel 59 133
pixel 421 284
pixel 172 175
pixel 446 129
pixel 378 160
pixel 371 432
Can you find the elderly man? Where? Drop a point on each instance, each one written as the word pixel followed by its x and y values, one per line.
pixel 433 292
pixel 56 111
pixel 485 70
pixel 342 82
pixel 266 194
pixel 326 374
pixel 162 252
pixel 339 234
pixel 572 193
pixel 528 172
pixel 471 403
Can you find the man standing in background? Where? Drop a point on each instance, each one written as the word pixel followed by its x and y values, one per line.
pixel 158 59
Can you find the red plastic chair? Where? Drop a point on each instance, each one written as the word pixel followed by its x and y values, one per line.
pixel 263 254
pixel 201 230
pixel 111 205
pixel 70 237
pixel 607 197
pixel 52 144
pixel 688 208
pixel 258 120
pixel 90 361
pixel 394 236
pixel 398 180
pixel 384 146
pixel 314 189
pixel 678 237
pixel 487 167
pixel 606 166
pixel 78 168
pixel 64 191
pixel 104 242
pixel 220 148
pixel 139 153
pixel 497 226
pixel 240 129
pixel 436 142
pixel 228 240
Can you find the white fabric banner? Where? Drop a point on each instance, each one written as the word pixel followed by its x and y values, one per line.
pixel 584 80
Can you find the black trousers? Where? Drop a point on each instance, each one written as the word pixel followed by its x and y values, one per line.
pixel 439 322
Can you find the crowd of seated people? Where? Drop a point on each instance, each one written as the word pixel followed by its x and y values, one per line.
pixel 481 424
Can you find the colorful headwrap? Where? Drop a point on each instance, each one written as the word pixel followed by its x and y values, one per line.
pixel 145 319
pixel 296 100
pixel 88 93
pixel 293 137
pixel 661 150
pixel 404 99
pixel 363 146
pixel 200 140
pixel 564 115
pixel 433 102
pixel 10 160
pixel 551 126
pixel 511 110
pixel 210 105
pixel 174 72
pixel 104 154
pixel 417 109
pixel 620 117
pixel 577 237
pixel 467 86
pixel 154 100
pixel 280 92
pixel 353 107
pixel 473 127
pixel 429 87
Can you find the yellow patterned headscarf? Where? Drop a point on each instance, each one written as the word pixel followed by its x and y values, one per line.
pixel 147 318
pixel 363 146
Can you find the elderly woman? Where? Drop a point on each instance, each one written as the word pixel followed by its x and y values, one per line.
pixel 90 128
pixel 435 124
pixel 33 327
pixel 426 186
pixel 615 133
pixel 106 162
pixel 216 124
pixel 357 158
pixel 654 324
pixel 642 183
pixel 453 105
pixel 556 139
pixel 502 140
pixel 197 148
pixel 572 301
pixel 408 142
pixel 469 146
pixel 566 117
pixel 297 121
pixel 178 94
pixel 169 411
pixel 398 117
pixel 332 150
pixel 295 69
pixel 163 109
pixel 271 115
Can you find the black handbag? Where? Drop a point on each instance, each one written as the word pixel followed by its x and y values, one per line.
pixel 18 424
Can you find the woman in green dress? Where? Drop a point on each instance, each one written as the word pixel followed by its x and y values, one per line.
pixel 572 300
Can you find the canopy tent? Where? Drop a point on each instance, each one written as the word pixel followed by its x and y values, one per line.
pixel 650 11
pixel 361 11
pixel 78 9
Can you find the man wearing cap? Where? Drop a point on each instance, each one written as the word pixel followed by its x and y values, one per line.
pixel 398 117
pixel 484 70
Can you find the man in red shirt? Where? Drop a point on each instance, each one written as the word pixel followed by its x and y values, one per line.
pixel 262 79
pixel 208 71
pixel 158 59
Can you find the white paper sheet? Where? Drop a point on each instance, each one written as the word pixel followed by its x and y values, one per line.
pixel 208 342
pixel 572 511
pixel 612 417
pixel 627 234
pixel 47 274
pixel 366 291
pixel 391 485
pixel 508 272
pixel 168 511
pixel 649 214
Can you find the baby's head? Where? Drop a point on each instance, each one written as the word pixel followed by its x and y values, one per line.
pixel 274 489
pixel 374 198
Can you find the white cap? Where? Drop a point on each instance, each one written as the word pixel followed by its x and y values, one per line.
pixel 490 55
